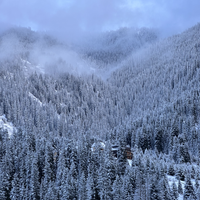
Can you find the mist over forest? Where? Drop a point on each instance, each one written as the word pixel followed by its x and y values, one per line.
pixel 91 115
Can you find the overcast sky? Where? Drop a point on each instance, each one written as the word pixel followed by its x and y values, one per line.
pixel 65 18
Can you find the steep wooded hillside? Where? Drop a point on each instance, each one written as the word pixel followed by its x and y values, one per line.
pixel 59 106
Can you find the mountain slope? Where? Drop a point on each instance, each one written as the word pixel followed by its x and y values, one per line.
pixel 150 102
pixel 114 46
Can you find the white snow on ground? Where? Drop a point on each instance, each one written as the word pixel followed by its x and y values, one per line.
pixel 35 98
pixel 4 124
pixel 28 67
pixel 180 197
pixel 172 178
pixel 129 162
pixel 40 69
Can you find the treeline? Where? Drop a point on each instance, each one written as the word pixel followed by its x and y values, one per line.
pixel 36 167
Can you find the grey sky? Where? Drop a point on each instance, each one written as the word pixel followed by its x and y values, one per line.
pixel 67 18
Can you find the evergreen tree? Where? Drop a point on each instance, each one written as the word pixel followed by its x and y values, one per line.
pixel 180 189
pixel 189 190
pixel 90 188
pixel 34 179
pixel 180 174
pixel 174 193
pixel 82 187
pixel 117 188
pixel 171 170
pixel 159 139
pixel 154 192
pixel 121 158
pixel 2 186
pixel 15 191
pixel 196 182
pixel 71 182
pixel 64 192
pixel 164 189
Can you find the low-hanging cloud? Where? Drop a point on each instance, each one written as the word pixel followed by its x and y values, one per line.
pixel 71 19
pixel 41 54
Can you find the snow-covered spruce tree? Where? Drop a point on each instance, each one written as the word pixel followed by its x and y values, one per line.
pixel 171 170
pixel 15 191
pixel 116 188
pixel 140 179
pixel 180 188
pixel 72 183
pixel 154 192
pixel 104 179
pixel 2 186
pixel 93 169
pixel 174 191
pixel 121 157
pixel 90 190
pixel 189 189
pixel 82 188
pixel 63 189
pixel 51 192
pixel 34 179
pixel 164 189
pixel 196 182
pixel 180 174
pixel 8 172
pixel 129 184
pixel 159 134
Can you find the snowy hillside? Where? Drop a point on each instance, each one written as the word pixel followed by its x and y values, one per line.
pixel 126 88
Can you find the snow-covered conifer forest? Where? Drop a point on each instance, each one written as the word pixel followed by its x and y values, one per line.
pixel 71 115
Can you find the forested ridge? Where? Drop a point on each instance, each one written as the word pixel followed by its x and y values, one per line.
pixel 149 101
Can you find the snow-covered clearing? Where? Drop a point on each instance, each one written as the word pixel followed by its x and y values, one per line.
pixel 173 178
pixel 35 99
pixel 129 162
pixel 5 125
